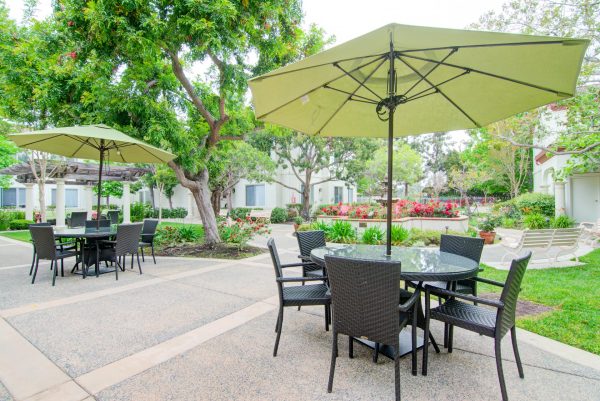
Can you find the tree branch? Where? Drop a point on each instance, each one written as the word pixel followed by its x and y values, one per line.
pixel 549 150
pixel 287 186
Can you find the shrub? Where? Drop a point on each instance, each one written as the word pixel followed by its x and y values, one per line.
pixel 321 226
pixel 535 221
pixel 424 237
pixel 172 235
pixel 535 203
pixel 562 222
pixel 140 211
pixel 341 232
pixel 508 222
pixel 20 224
pixel 175 213
pixel 6 216
pixel 489 223
pixel 240 213
pixel 242 231
pixel 298 220
pixel 305 227
pixel 373 236
pixel 399 234
pixel 278 215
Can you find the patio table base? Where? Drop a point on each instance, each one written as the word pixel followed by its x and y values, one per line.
pixel 386 350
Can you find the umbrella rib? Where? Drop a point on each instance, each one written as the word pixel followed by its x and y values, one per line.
pixel 359 97
pixel 150 153
pixel 416 95
pixel 442 93
pixel 360 85
pixel 359 82
pixel 489 74
pixel 503 44
pixel 318 65
pixel 452 51
pixel 83 143
pixel 314 89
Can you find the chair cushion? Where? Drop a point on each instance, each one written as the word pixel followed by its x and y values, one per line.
pixel 310 294
pixel 475 318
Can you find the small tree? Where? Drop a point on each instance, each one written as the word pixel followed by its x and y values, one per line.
pixel 164 178
pixel 463 180
pixel 110 188
pixel 438 182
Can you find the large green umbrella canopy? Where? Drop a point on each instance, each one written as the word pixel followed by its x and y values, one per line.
pixel 418 80
pixel 94 142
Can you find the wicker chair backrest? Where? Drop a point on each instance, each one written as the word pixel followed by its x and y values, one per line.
pixel 463 246
pixel 43 240
pixel 113 216
pixel 78 219
pixel 309 240
pixel 510 294
pixel 365 297
pixel 149 229
pixel 104 223
pixel 128 238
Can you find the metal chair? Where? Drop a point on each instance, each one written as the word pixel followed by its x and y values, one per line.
pixel 45 248
pixel 487 322
pixel 113 216
pixel 364 296
pixel 313 294
pixel 77 219
pixel 148 232
pixel 126 243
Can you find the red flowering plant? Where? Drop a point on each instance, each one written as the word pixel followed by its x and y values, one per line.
pixel 240 231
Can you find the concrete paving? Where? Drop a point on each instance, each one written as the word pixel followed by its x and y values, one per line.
pixel 194 329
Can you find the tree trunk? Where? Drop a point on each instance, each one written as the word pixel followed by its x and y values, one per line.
pixel 159 205
pixel 406 189
pixel 42 196
pixel 170 198
pixel 108 201
pixel 215 200
pixel 306 196
pixel 202 196
pixel 229 200
pixel 152 197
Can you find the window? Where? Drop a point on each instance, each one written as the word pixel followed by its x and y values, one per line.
pixel 71 197
pixel 12 197
pixel 255 195
pixel 350 195
pixel 338 194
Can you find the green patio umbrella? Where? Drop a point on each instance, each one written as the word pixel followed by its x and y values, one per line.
pixel 418 80
pixel 95 142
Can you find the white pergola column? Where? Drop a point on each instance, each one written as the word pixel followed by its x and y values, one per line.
pixel 559 198
pixel 126 202
pixel 88 201
pixel 60 202
pixel 29 201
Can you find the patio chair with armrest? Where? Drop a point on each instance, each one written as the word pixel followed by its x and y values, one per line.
pixel 126 242
pixel 311 294
pixel 148 233
pixel 60 245
pixel 78 219
pixel 113 216
pixel 364 296
pixel 46 248
pixel 485 321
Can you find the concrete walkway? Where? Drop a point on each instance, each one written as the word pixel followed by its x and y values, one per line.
pixel 199 329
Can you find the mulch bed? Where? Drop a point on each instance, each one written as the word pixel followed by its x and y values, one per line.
pixel 219 251
pixel 524 308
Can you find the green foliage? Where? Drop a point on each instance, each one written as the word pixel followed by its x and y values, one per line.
pixel 341 232
pixel 279 215
pixel 535 221
pixel 508 222
pixel 242 231
pixel 535 203
pixel 423 237
pixel 6 216
pixel 399 234
pixel 240 213
pixel 170 235
pixel 321 226
pixel 140 211
pixel 488 223
pixel 373 236
pixel 298 220
pixel 110 188
pixel 305 227
pixel 562 221
pixel 20 224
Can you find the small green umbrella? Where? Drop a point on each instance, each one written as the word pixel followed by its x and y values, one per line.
pixel 418 80
pixel 95 142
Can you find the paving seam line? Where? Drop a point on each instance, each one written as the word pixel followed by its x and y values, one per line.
pixel 125 368
pixel 20 310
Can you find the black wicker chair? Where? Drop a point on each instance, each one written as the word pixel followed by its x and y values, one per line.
pixel 148 232
pixel 307 241
pixel 60 245
pixel 312 294
pixel 126 243
pixel 46 248
pixel 77 219
pixel 364 296
pixel 93 224
pixel 113 216
pixel 484 321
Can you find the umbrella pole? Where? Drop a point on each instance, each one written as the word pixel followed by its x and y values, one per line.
pixel 388 247
pixel 100 184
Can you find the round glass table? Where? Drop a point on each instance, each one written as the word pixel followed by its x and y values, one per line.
pixel 416 264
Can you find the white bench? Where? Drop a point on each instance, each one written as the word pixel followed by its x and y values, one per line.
pixel 591 230
pixel 567 239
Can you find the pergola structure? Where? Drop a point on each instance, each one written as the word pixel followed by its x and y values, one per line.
pixel 61 172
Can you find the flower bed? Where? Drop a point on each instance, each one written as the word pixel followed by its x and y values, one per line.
pixel 459 224
pixel 402 208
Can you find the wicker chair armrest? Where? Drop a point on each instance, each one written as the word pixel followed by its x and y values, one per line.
pixel 300 279
pixel 484 301
pixel 297 264
pixel 408 305
pixel 487 281
pixel 105 241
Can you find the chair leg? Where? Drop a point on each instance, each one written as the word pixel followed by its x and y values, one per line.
pixel 55 272
pixel 280 321
pixel 426 335
pixel 152 248
pixel 138 260
pixel 513 337
pixel 326 317
pixel 497 341
pixel 142 249
pixel 132 261
pixel 277 324
pixel 33 261
pixel 414 343
pixel 350 347
pixel 397 371
pixel 117 269
pixel 376 353
pixel 434 343
pixel 450 337
pixel 62 267
pixel 334 353
pixel 37 262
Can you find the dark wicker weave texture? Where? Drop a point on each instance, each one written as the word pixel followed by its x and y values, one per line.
pixel 307 241
pixel 148 232
pixel 77 219
pixel 45 247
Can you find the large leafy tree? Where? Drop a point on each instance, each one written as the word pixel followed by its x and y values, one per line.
pixel 7 152
pixel 313 159
pixel 142 61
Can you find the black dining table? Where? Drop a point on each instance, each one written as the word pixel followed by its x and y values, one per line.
pixel 83 235
pixel 416 264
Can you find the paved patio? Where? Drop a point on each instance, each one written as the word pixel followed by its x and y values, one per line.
pixel 192 329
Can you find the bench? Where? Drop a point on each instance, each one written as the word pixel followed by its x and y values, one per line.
pixel 567 239
pixel 591 231
pixel 260 214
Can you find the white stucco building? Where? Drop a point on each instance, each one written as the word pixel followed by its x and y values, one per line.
pixel 578 195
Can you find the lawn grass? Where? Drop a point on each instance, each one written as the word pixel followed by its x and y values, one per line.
pixel 574 292
pixel 22 235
